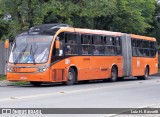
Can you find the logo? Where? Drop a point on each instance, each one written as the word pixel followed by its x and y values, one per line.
pixel 21 111
pixel 6 111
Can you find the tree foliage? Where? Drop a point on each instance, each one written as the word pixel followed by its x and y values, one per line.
pixel 133 16
pixel 155 30
pixel 129 16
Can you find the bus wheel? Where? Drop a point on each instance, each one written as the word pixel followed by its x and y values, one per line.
pixel 146 74
pixel 36 84
pixel 120 78
pixel 114 74
pixel 71 77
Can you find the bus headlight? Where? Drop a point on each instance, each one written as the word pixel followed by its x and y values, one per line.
pixel 42 69
pixel 9 69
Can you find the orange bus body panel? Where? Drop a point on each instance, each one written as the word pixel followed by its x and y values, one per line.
pixel 139 63
pixel 138 67
pixel 88 67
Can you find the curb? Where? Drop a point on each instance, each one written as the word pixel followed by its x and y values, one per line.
pixel 4 83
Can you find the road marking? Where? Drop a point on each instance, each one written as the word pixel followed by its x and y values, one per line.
pixel 13 98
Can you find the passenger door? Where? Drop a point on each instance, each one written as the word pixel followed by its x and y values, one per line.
pixel 136 59
pixel 85 58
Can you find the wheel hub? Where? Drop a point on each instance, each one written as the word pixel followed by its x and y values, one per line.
pixel 70 76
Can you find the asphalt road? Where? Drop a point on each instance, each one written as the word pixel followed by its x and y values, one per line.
pixel 129 93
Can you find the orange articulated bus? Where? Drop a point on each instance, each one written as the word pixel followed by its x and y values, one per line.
pixel 60 53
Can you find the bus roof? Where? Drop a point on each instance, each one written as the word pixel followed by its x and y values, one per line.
pixel 90 31
pixel 103 32
pixel 48 29
pixel 142 37
pixel 51 29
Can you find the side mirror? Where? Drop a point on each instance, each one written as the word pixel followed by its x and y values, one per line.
pixel 6 44
pixel 57 44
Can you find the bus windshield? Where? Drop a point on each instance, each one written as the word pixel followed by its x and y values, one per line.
pixel 30 49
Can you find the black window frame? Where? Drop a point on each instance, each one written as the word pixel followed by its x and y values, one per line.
pixel 144 46
pixel 87 49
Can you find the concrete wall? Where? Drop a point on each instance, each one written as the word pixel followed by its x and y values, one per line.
pixel 3 58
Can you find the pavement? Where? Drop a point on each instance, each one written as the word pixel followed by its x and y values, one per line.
pixel 130 93
pixel 154 106
pixel 4 83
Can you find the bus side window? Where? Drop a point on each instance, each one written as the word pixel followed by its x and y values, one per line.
pixel 118 46
pixel 133 47
pixel 143 48
pixel 146 48
pixel 56 53
pixel 59 52
pixel 107 43
pixel 113 41
pixel 86 41
pixel 113 49
pixel 117 41
pixel 62 44
pixel 71 41
pixel 139 51
pixel 98 45
pixel 136 46
pixel 112 46
pixel 97 39
pixel 153 49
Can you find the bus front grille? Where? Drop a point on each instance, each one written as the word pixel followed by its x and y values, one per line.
pixel 58 74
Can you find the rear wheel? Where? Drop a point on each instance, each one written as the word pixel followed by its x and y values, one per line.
pixel 146 74
pixel 37 84
pixel 114 74
pixel 71 77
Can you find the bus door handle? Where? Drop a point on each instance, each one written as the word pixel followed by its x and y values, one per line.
pixel 86 58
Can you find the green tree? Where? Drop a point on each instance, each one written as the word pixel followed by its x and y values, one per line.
pixel 80 13
pixel 24 14
pixel 157 21
pixel 133 16
pixel 129 16
pixel 3 23
pixel 155 29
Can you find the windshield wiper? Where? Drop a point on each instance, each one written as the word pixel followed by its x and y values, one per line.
pixel 20 55
pixel 32 54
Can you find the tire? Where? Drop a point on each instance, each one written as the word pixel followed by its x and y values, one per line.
pixel 36 84
pixel 84 81
pixel 146 74
pixel 120 78
pixel 71 79
pixel 114 74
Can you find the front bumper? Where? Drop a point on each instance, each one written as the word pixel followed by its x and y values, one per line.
pixel 40 77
